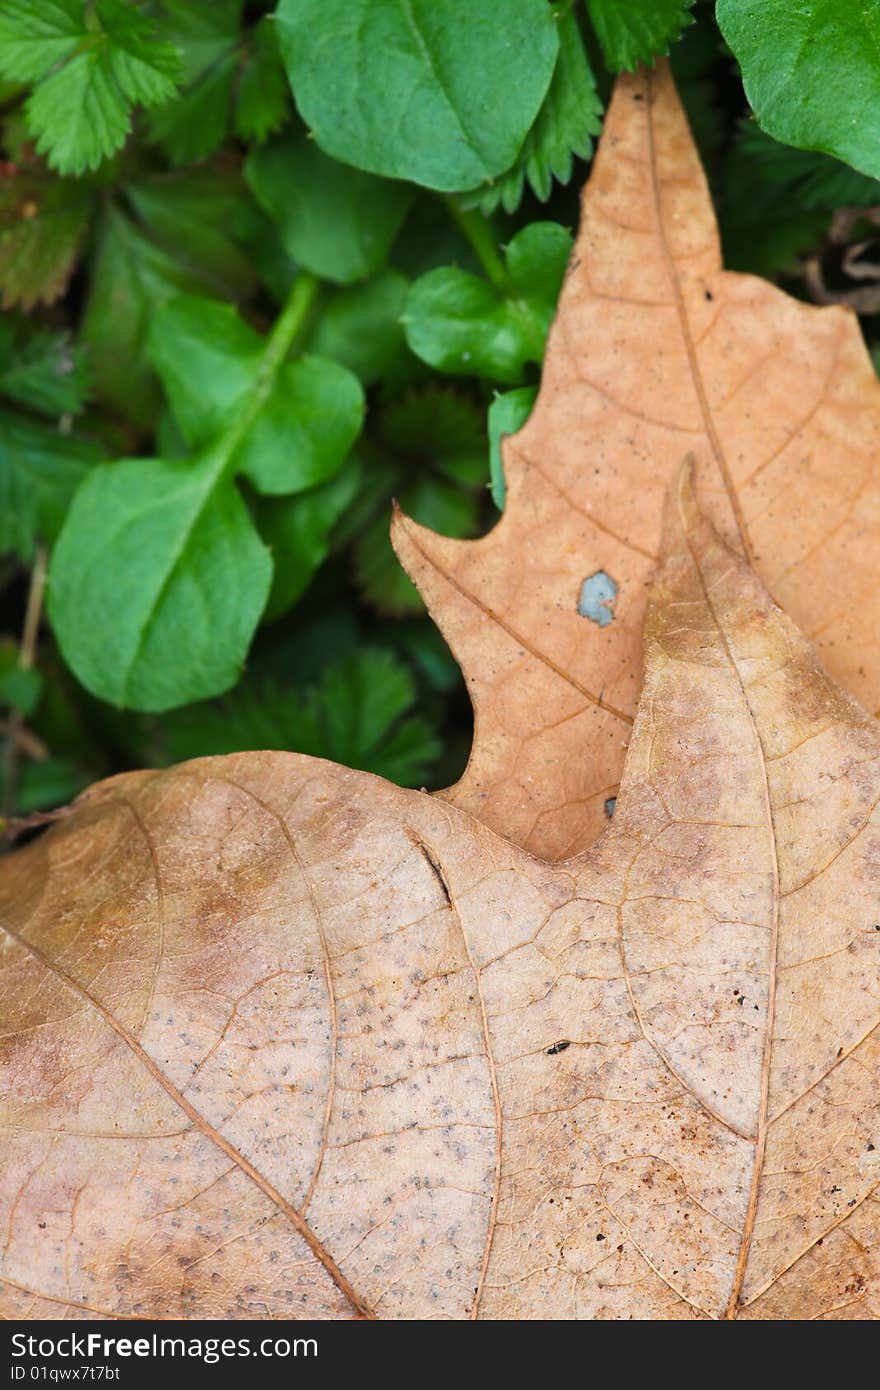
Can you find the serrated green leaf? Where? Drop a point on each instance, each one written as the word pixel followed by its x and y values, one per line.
pixel 193 126
pixel 297 531
pixel 337 222
pixel 637 31
pixel 43 223
pixel 91 64
pixel 44 371
pixel 399 87
pixel 211 362
pixel 811 73
pixel 357 713
pixel 361 327
pixel 565 125
pixel 439 425
pixel 772 171
pixel 37 34
pixel 40 470
pixel 462 324
pixel 777 200
pixel 507 413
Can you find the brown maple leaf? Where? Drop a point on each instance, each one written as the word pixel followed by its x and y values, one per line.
pixel 656 352
pixel 282 1039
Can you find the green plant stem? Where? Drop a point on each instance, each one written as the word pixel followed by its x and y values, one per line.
pixel 285 331
pixel 478 231
pixel 27 655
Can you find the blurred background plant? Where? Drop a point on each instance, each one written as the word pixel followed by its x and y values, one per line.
pixel 266 267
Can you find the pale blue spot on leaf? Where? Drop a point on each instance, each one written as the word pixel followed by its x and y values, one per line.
pixel 597 598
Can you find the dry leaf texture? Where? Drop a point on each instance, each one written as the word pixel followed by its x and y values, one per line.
pixel 279 1038
pixel 656 353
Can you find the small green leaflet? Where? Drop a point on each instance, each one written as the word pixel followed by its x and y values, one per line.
pixel 565 126
pixel 335 221
pixel 440 94
pixel 358 714
pixel 811 72
pixel 43 371
pixel 91 64
pixel 40 470
pixel 43 224
pixel 460 323
pixel 163 553
pixel 507 413
pixel 230 78
pixel 636 31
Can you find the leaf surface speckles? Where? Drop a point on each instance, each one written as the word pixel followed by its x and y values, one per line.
pixel 280 1038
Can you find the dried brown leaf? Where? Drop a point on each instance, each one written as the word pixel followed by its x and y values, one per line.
pixel 656 353
pixel 279 1038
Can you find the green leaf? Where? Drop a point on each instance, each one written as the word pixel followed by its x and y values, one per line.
pixel 440 426
pixel 777 200
pixel 211 364
pixel 193 126
pixel 357 714
pixel 804 177
pixel 507 413
pixel 262 98
pixel 158 581
pixel 180 244
pixel 462 324
pixel 337 222
pixel 194 216
pixel 43 223
pixel 636 31
pixel 361 327
pixel 441 95
pixel 811 73
pixel 39 473
pixel 52 782
pixel 297 531
pixel 44 371
pixel 565 126
pixel 429 500
pixel 20 687
pixel 91 65
pixel 163 554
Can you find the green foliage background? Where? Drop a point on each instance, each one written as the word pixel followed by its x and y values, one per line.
pixel 265 267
